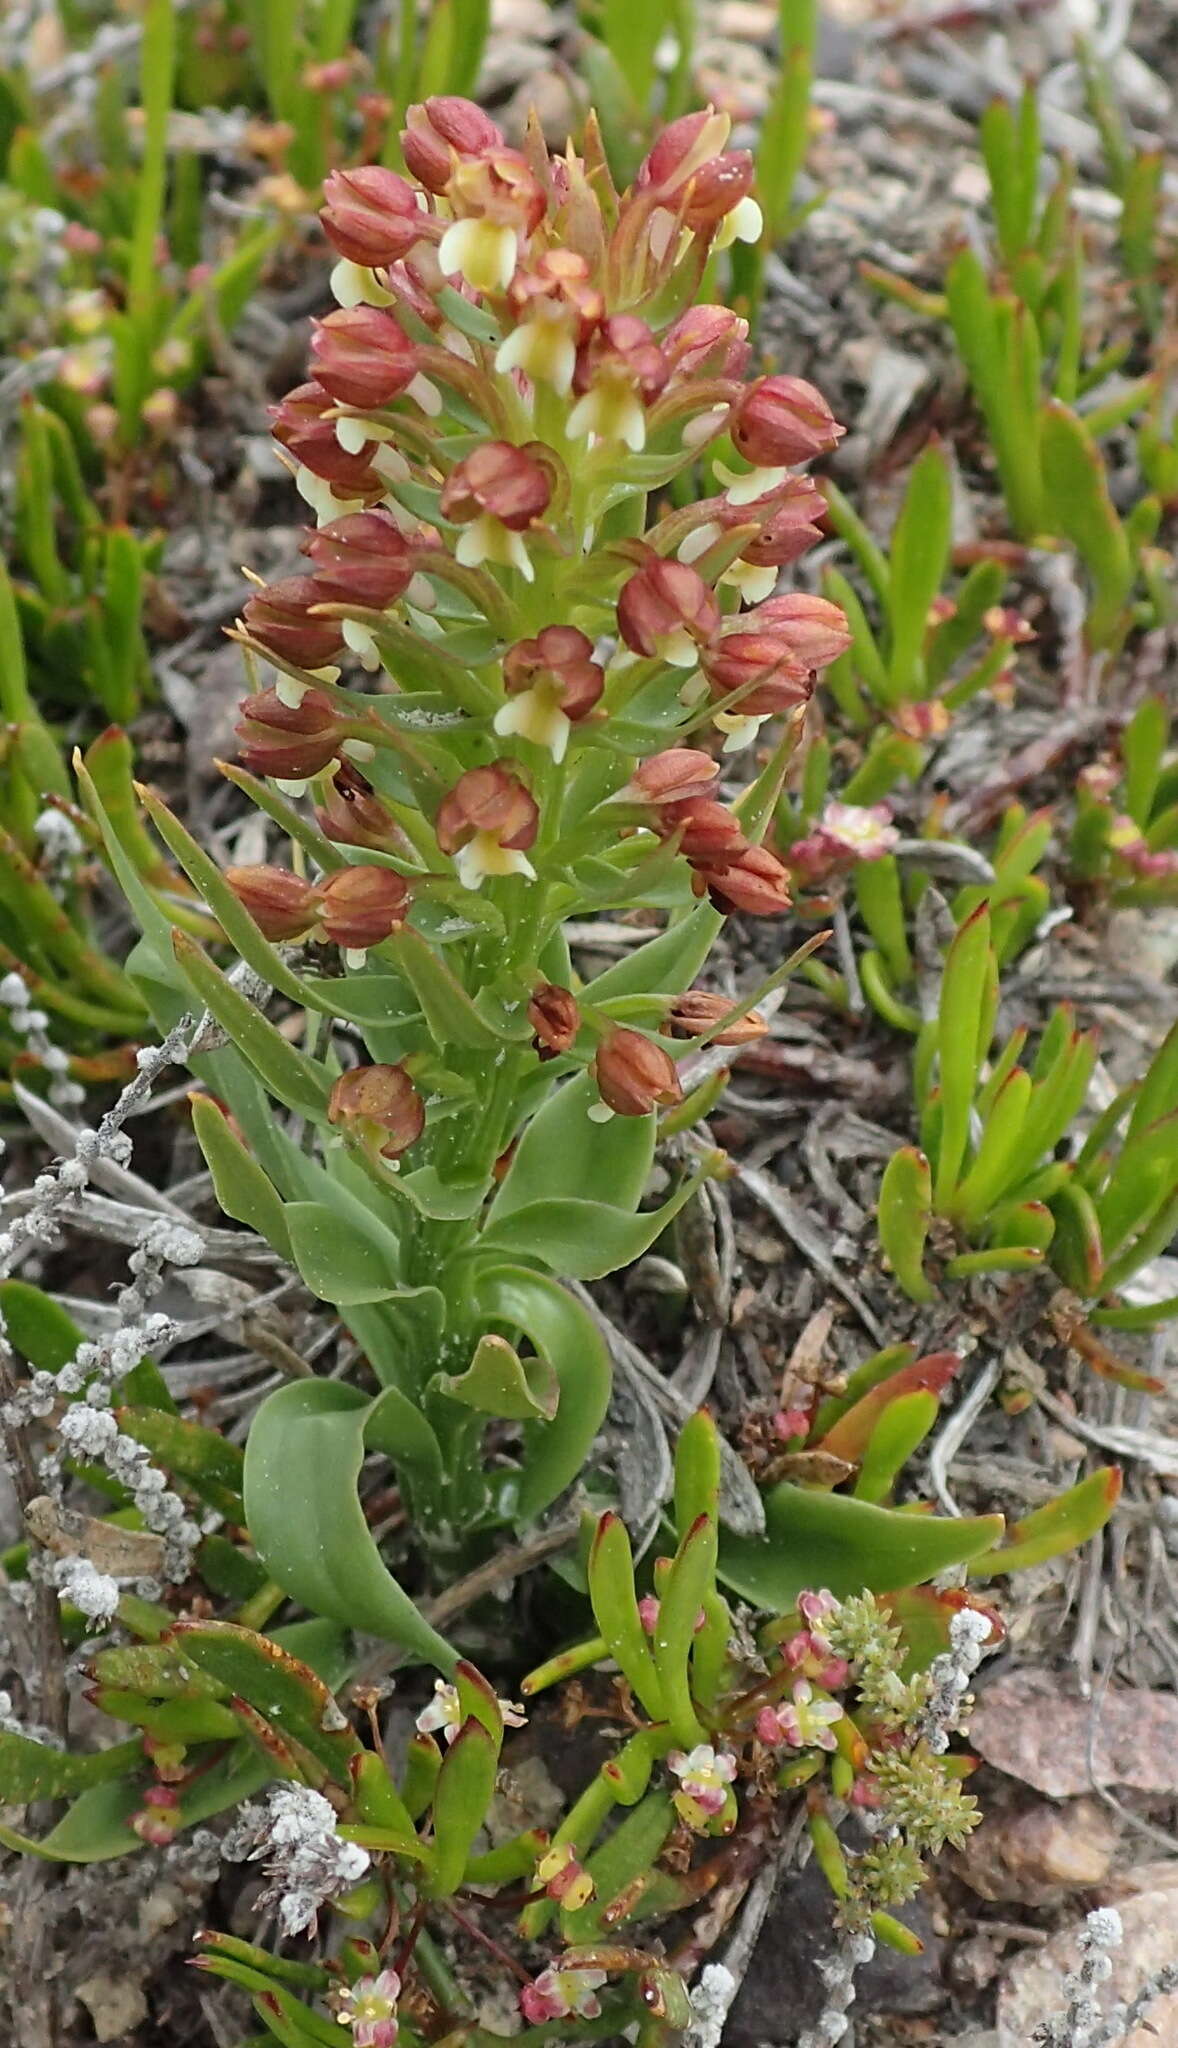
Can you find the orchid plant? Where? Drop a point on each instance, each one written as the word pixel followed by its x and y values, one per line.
pixel 516 365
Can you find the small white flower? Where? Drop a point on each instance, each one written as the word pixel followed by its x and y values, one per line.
pixel 482 251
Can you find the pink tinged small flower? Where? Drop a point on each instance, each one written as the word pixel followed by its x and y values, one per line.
pixel 564 1878
pixel 486 823
pixel 806 1724
pixel 666 610
pixel 369 2008
pixel 552 682
pixel 495 494
pixel 1002 622
pixel 815 1607
pixel 812 1656
pixel 789 1423
pixel 648 1612
pixel 562 1994
pixel 557 309
pixel 705 1775
pixel 864 831
pixel 442 1714
pixel 618 372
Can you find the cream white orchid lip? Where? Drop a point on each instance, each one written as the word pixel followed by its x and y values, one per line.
pixel 535 715
pixel 742 729
pixel 486 539
pixel 353 285
pixel 746 489
pixel 316 492
pixel 744 223
pixel 611 411
pixel 543 348
pixel 483 252
pixel 483 857
pixel 362 643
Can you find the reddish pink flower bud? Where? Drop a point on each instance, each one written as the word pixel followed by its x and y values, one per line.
pixel 279 619
pixel 363 905
pixel 814 630
pixel 672 777
pixel 782 420
pixel 381 1105
pixel 282 905
pixel 303 425
pixel 633 1073
pixel 559 659
pixel 761 666
pixel 717 187
pixel 697 1011
pixel 756 883
pixel 362 356
pixel 289 741
pixel 707 341
pixel 681 150
pixel 711 835
pixel 554 1017
pixel 364 559
pixel 353 815
pixel 666 609
pixel 371 216
pixel 793 526
pixel 506 482
pixel 441 131
pixel 487 822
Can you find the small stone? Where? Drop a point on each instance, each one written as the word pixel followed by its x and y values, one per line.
pixel 1037 1852
pixel 115 2005
pixel 1027 1725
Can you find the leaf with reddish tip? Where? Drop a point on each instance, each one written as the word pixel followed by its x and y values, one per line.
pixel 287 1693
pixel 853 1431
pixel 1062 1525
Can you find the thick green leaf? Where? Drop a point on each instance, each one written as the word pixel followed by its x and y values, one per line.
pixel 615 1610
pixel 499 1382
pixel 962 1005
pixel 306 1446
pixel 670 962
pixel 919 556
pixel 352 1265
pixel 566 1335
pixel 291 1697
pixel 42 1331
pixel 243 1189
pixel 853 1432
pixel 32 1770
pixel 297 1080
pixel 1081 507
pixel 563 1147
pixel 827 1539
pixel 904 1211
pixel 1050 1531
pixel 462 1795
pixel 584 1240
pixel 901 1429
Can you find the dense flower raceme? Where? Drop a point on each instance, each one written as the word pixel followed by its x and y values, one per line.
pixel 516 367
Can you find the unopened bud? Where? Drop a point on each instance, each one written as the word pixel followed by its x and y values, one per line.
pixel 279 619
pixel 506 482
pixel 757 883
pixel 289 741
pixel 677 775
pixel 381 1106
pixel 371 215
pixel 363 357
pixel 363 905
pixel 633 1073
pixel 353 815
pixel 697 1011
pixel 782 420
pixel 554 1017
pixel 363 558
pixel 282 905
pixel 710 833
pixel 440 133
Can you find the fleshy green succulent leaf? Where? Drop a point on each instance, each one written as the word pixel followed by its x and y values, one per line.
pixel 697 1472
pixel 583 1239
pixel 904 1213
pixel 899 1431
pixel 879 1367
pixel 919 557
pixel 462 1795
pixel 1050 1531
pixel 283 1689
pixel 689 1583
pixel 32 1770
pixel 1076 1251
pixel 849 1545
pixel 963 1002
pixel 1080 506
pixel 615 1610
pixel 563 1147
pixel 347 1266
pixel 1001 1159
pixel 306 1446
pixel 852 1434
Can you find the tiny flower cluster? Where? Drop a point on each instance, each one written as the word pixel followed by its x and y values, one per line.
pixel 306 1861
